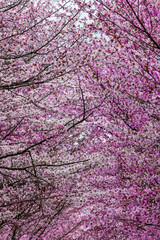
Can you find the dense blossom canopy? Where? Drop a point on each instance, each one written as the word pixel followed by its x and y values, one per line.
pixel 79 120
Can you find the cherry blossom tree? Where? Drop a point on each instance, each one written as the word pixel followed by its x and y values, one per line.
pixel 38 100
pixel 79 120
pixel 126 125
